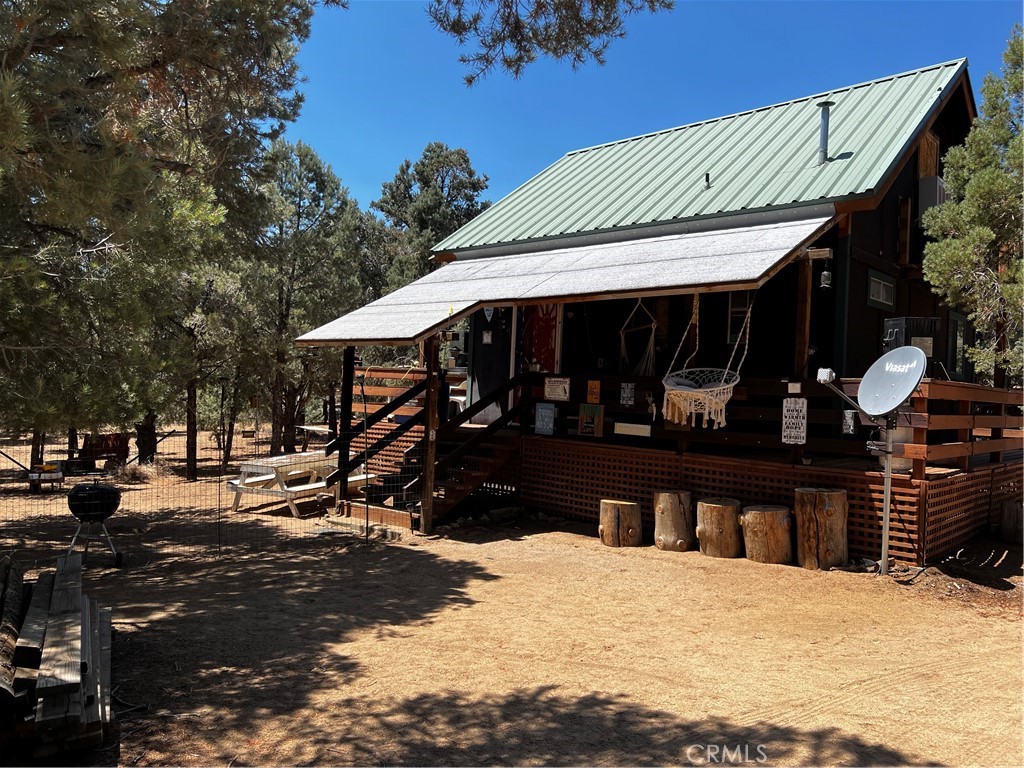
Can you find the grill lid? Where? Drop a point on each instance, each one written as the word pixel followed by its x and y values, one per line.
pixel 93 501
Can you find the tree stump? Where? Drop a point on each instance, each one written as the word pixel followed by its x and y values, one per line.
pixel 673 521
pixel 718 527
pixel 820 527
pixel 1012 522
pixel 620 523
pixel 767 533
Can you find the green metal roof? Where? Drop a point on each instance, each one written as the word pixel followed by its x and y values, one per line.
pixel 759 160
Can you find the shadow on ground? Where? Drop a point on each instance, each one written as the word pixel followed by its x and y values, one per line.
pixel 539 726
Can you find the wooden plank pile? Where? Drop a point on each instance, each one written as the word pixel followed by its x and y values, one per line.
pixel 54 662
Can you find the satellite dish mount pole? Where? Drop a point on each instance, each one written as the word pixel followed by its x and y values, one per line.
pixel 888 383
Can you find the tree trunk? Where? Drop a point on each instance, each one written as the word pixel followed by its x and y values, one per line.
pixel 718 527
pixel 289 417
pixel 191 431
pixel 332 407
pixel 229 438
pixel 820 527
pixel 38 448
pixel 276 417
pixel 767 533
pixel 72 442
pixel 145 437
pixel 620 523
pixel 673 521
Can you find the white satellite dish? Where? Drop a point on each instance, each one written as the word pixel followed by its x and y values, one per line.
pixel 891 380
pixel 888 384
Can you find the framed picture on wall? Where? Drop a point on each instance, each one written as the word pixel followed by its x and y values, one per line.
pixel 591 420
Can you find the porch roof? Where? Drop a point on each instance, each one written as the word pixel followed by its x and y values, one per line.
pixel 739 258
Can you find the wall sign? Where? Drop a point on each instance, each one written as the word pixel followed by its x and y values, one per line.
pixel 556 388
pixel 544 422
pixel 488 313
pixel 591 420
pixel 594 391
pixel 487 337
pixel 794 420
pixel 627 393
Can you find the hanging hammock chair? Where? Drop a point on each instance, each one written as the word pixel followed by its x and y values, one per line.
pixel 705 391
pixel 646 365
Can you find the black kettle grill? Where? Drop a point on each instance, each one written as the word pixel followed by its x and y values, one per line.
pixel 92 504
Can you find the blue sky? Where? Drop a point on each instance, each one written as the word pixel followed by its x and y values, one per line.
pixel 382 82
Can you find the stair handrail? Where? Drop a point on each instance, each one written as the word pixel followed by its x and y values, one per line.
pixel 355 427
pixel 450 426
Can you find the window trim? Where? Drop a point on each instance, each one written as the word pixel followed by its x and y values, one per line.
pixel 881 277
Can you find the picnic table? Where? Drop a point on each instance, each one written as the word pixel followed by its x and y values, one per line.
pixel 290 476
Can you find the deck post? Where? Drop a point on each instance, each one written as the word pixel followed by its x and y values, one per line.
pixel 348 371
pixel 430 423
pixel 919 467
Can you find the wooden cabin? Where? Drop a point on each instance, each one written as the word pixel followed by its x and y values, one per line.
pixel 762 245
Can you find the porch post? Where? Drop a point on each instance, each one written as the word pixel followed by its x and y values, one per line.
pixel 430 422
pixel 348 376
pixel 803 320
pixel 802 334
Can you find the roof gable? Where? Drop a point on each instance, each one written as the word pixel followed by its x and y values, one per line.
pixel 762 159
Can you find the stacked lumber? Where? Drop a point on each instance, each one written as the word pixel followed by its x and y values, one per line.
pixel 54 662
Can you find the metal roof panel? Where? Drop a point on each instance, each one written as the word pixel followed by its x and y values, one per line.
pixel 760 159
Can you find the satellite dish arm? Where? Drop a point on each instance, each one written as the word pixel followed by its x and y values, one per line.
pixel 827 376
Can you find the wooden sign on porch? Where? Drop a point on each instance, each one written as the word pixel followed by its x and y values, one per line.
pixel 556 388
pixel 794 420
pixel 591 420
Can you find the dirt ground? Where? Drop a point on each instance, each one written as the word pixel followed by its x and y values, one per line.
pixel 531 643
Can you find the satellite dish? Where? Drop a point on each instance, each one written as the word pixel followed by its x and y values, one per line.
pixel 891 380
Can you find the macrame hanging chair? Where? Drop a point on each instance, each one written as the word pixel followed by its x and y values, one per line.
pixel 646 365
pixel 705 391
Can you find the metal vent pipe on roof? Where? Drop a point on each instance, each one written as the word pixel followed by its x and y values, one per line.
pixel 823 131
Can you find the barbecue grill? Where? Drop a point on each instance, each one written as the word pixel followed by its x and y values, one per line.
pixel 92 504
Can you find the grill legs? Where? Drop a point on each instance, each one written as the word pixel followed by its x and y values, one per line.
pixel 92 535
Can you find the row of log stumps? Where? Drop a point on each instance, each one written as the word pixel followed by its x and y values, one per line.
pixel 768 533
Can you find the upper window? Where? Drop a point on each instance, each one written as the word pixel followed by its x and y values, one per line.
pixel 957 345
pixel 881 291
pixel 739 303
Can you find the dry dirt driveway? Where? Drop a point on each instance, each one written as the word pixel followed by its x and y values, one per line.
pixel 522 646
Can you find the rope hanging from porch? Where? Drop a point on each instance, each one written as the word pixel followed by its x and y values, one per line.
pixel 705 391
pixel 646 365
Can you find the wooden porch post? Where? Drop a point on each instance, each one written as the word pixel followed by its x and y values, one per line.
pixel 919 467
pixel 802 334
pixel 429 435
pixel 348 377
pixel 803 321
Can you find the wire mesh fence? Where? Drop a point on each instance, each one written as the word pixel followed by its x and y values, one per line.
pixel 161 512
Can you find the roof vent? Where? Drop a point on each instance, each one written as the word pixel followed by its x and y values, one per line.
pixel 823 131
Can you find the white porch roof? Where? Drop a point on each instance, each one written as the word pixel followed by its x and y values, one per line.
pixel 739 258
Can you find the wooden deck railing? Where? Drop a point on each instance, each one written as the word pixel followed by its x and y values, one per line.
pixel 955 422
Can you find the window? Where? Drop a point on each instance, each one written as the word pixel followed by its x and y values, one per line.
pixel 881 291
pixel 957 345
pixel 739 303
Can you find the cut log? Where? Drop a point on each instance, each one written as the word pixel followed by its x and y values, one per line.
pixel 767 533
pixel 820 527
pixel 620 523
pixel 718 527
pixel 1010 527
pixel 673 521
pixel 10 617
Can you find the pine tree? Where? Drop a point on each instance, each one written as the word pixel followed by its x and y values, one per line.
pixel 974 262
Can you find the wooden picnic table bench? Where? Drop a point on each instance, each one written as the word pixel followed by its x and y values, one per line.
pixel 290 476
